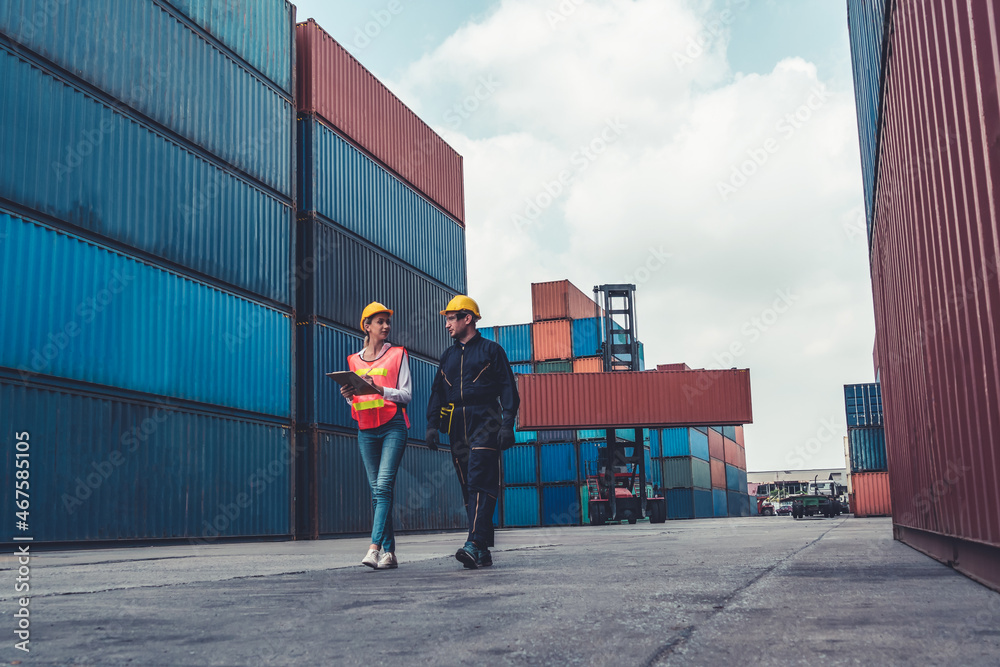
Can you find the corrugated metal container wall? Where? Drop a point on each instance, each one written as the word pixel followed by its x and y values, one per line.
pixel 648 398
pixel 680 504
pixel 588 365
pixel 733 479
pixel 865 20
pixel 342 184
pixel 515 339
pixel 716 445
pixel 322 348
pixel 520 466
pixel 703 503
pixel 685 471
pixel 864 404
pixel 173 75
pixel 554 367
pixel 935 248
pixel 558 462
pixel 329 258
pixel 99 316
pixel 555 436
pixel 698 443
pixel 729 432
pixel 525 436
pixel 334 85
pixel 718 468
pixel 587 336
pixel 720 503
pixel 261 32
pixel 732 452
pixel 107 467
pixel 739 437
pixel 521 368
pixel 871 494
pixel 552 340
pixel 588 458
pixel 867 449
pixel 559 300
pixel 674 442
pixel 520 506
pixel 490 333
pixel 590 434
pixel 739 503
pixel 560 505
pixel 179 206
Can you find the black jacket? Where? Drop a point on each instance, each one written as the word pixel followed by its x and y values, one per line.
pixel 475 375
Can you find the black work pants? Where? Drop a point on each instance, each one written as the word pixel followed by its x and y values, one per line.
pixel 475 454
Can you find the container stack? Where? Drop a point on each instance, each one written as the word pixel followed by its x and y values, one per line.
pixel 702 471
pixel 866 454
pixel 381 218
pixel 146 240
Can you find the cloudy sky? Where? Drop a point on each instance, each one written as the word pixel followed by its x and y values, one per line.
pixel 705 150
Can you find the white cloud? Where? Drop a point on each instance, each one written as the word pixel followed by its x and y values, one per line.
pixel 748 182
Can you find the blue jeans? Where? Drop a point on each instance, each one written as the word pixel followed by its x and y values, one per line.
pixel 382 449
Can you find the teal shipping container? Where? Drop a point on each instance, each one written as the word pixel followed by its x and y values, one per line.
pixel 703 503
pixel 554 367
pixel 863 403
pixel 558 462
pixel 739 503
pixel 685 471
pixel 867 449
pixel 489 333
pixel 720 502
pixel 587 336
pixel 520 465
pixel 515 339
pixel 680 504
pixel 99 316
pixel 682 442
pixel 521 368
pixel 733 479
pixel 520 506
pixel 561 505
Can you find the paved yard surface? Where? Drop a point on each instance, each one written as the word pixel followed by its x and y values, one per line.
pixel 753 591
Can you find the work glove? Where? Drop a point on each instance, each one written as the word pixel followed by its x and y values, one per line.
pixel 506 438
pixel 432 438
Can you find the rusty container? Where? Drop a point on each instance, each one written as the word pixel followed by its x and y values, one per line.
pixel 871 494
pixel 716 445
pixel 561 299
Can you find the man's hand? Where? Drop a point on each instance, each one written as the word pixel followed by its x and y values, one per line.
pixel 506 438
pixel 432 438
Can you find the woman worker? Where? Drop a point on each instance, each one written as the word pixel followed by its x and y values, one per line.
pixel 382 424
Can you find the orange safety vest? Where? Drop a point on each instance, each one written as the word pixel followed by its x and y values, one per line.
pixel 372 410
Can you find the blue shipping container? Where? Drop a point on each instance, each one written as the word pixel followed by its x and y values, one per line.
pixel 99 316
pixel 519 465
pixel 680 504
pixel 329 259
pixel 864 404
pixel 342 184
pixel 522 369
pixel 555 436
pixel 490 333
pixel 704 507
pixel 322 348
pixel 739 503
pixel 560 506
pixel 698 442
pixel 729 432
pixel 558 462
pixel 587 336
pixel 733 479
pixel 720 502
pixel 520 506
pixel 865 22
pixel 173 75
pixel 588 458
pixel 867 449
pixel 590 434
pixel 261 32
pixel 118 467
pixel 655 448
pixel 75 154
pixel 515 339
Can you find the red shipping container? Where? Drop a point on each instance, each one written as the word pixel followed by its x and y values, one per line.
pixel 588 365
pixel 743 458
pixel 732 452
pixel 716 446
pixel 561 300
pixel 935 241
pixel 552 340
pixel 871 494
pixel 718 467
pixel 673 367
pixel 635 399
pixel 739 436
pixel 332 84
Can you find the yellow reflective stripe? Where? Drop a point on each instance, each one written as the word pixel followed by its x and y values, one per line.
pixel 368 405
pixel 372 371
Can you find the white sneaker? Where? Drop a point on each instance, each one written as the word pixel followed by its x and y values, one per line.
pixel 387 561
pixel 371 560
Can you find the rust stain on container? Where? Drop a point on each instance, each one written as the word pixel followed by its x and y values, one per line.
pixel 561 299
pixel 332 84
pixel 635 399
pixel 552 340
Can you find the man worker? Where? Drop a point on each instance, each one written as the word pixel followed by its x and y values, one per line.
pixel 474 399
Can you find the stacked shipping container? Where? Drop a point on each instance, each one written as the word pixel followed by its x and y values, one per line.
pixel 380 219
pixel 935 248
pixel 147 232
pixel 866 459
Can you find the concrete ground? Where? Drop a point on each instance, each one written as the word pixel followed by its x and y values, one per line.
pixel 753 591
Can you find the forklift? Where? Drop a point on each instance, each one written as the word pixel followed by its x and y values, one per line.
pixel 617 489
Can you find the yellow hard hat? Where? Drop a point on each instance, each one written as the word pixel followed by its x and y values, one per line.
pixel 462 302
pixel 371 309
